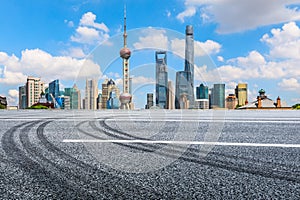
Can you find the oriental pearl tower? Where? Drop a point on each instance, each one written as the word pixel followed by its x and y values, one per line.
pixel 125 97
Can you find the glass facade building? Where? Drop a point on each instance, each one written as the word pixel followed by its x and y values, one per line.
pixel 218 96
pixel 202 92
pixel 189 62
pixel 22 97
pixel 74 96
pixel 161 79
pixel 182 89
pixel 53 93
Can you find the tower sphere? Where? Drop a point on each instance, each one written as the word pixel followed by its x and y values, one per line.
pixel 125 53
pixel 125 98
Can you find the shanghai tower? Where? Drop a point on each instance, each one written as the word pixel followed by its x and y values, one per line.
pixel 184 98
pixel 189 62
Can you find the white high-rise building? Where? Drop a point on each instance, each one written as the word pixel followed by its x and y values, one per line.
pixel 91 94
pixel 34 88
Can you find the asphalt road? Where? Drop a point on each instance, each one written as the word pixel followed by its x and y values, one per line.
pixel 65 155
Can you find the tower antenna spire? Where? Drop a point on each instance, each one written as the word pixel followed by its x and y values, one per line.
pixel 125 34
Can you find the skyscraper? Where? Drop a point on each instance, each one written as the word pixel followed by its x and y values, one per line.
pixel 91 94
pixel 53 94
pixel 125 97
pixel 22 97
pixel 202 98
pixel 149 101
pixel 218 96
pixel 161 79
pixel 202 92
pixel 170 96
pixel 74 94
pixel 182 89
pixel 189 62
pixel 241 93
pixel 34 88
pixel 185 79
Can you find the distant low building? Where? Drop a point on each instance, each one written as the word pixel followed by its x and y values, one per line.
pixel 3 102
pixel 231 101
pixel 263 102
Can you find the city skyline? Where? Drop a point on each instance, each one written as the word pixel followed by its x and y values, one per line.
pixel 262 53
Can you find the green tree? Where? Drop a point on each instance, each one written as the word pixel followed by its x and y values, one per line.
pixel 296 106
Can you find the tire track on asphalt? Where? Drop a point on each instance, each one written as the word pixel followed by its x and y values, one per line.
pixel 41 174
pixel 87 172
pixel 191 156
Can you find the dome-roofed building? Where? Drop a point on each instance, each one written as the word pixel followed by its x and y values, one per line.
pixel 263 102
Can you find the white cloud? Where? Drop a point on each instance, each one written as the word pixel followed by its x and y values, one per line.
pixel 168 13
pixel 13 96
pixel 69 23
pixel 75 52
pixel 284 42
pixel 289 84
pixel 12 78
pixel 88 19
pixel 88 35
pixel 237 15
pixel 13 93
pixel 188 12
pixel 89 31
pixel 220 59
pixel 39 63
pixel 200 48
pixel 142 80
pixel 152 39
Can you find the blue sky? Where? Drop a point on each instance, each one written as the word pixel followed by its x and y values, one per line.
pixel 257 42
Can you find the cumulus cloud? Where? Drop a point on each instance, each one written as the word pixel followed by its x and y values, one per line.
pixel 75 52
pixel 89 31
pixel 200 48
pixel 188 12
pixel 284 42
pixel 236 15
pixel 158 39
pixel 289 84
pixel 252 66
pixel 152 39
pixel 39 63
pixel 88 19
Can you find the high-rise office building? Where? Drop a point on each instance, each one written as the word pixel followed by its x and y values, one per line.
pixel 202 97
pixel 161 79
pixel 149 101
pixel 182 90
pixel 34 88
pixel 189 62
pixel 218 96
pixel 53 93
pixel 185 79
pixel 241 92
pixel 91 94
pixel 75 97
pixel 170 96
pixel 22 97
pixel 202 92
